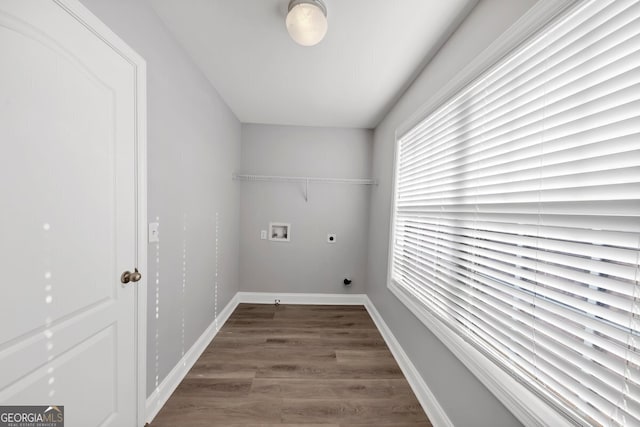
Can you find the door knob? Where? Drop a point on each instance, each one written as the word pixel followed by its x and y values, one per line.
pixel 128 276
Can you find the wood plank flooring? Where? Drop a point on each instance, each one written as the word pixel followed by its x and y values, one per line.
pixel 295 365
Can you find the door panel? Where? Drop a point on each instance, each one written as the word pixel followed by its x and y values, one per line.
pixel 89 394
pixel 68 223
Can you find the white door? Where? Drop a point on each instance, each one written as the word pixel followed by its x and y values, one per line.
pixel 67 216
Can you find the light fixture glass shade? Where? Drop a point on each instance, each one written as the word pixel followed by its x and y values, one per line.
pixel 307 22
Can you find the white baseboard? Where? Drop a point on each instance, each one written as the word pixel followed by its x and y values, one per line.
pixel 161 394
pixel 430 405
pixel 300 298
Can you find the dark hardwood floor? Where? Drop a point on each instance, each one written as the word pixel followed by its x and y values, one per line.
pixel 295 365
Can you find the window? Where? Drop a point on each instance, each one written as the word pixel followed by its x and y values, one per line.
pixel 516 216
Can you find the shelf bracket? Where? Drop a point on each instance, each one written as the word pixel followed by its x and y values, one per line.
pixel 306 190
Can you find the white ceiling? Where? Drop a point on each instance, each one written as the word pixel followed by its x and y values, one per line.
pixel 371 53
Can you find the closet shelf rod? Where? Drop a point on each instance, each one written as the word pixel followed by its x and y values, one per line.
pixel 306 180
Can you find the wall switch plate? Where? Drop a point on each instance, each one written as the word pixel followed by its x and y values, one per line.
pixel 331 238
pixel 154 232
pixel 263 234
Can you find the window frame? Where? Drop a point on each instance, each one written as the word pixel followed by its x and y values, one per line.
pixel 525 405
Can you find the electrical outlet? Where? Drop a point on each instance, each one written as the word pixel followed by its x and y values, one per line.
pixel 263 234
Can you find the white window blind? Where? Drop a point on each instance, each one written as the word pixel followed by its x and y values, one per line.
pixel 517 213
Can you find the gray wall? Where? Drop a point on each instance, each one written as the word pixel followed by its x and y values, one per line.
pixel 193 148
pixel 308 263
pixel 465 400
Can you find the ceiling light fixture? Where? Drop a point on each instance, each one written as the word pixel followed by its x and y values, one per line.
pixel 307 21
